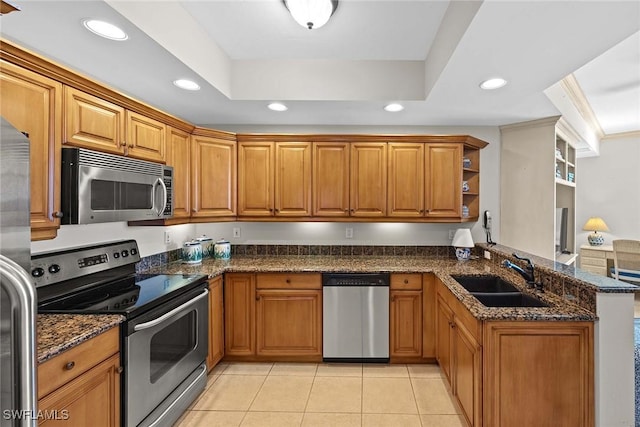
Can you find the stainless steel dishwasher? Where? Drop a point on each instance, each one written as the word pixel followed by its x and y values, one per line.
pixel 355 317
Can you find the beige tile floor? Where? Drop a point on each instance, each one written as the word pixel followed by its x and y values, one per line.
pixel 310 394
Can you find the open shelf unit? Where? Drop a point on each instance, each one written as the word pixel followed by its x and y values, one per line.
pixel 471 176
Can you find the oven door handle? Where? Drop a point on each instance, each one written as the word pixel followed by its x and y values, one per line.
pixel 165 316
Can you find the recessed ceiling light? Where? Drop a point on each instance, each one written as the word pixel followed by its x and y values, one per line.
pixel 186 84
pixel 493 83
pixel 393 108
pixel 105 29
pixel 277 106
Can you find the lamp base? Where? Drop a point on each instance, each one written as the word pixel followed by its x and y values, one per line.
pixel 463 254
pixel 595 239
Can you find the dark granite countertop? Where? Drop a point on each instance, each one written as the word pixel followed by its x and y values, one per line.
pixel 59 332
pixel 559 308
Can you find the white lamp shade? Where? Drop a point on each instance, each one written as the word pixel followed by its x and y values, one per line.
pixel 462 239
pixel 310 14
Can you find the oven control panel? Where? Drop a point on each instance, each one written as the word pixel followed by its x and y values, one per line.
pixel 55 267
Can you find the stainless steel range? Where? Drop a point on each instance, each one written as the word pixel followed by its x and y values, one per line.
pixel 164 338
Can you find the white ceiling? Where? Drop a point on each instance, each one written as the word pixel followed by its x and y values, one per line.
pixel 429 55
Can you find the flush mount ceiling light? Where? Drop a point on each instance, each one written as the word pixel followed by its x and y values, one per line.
pixel 277 106
pixel 493 83
pixel 393 108
pixel 186 84
pixel 105 29
pixel 311 14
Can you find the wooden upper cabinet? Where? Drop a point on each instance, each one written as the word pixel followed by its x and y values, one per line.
pixel 213 177
pixel 255 178
pixel 368 193
pixel 146 138
pixel 293 179
pixel 406 180
pixel 443 180
pixel 330 186
pixel 91 122
pixel 33 104
pixel 178 156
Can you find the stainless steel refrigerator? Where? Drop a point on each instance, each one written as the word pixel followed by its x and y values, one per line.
pixel 18 301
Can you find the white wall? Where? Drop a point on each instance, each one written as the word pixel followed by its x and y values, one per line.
pixel 608 186
pixel 151 239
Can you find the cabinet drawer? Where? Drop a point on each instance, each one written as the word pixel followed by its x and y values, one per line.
pixel 406 281
pixel 596 262
pixel 592 254
pixel 68 365
pixel 289 281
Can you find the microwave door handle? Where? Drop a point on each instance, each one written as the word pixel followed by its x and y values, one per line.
pixel 164 195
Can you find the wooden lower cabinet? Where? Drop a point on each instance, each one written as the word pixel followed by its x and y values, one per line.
pixel 538 374
pixel 289 322
pixel 81 387
pixel 429 317
pixel 515 373
pixel 216 322
pixel 406 325
pixel 239 314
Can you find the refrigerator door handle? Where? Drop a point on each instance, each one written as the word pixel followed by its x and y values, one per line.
pixel 22 295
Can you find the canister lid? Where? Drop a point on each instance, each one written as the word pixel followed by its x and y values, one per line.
pixel 223 240
pixel 192 243
pixel 203 238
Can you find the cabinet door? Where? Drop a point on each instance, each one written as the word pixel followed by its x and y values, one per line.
pixel 406 324
pixel 443 180
pixel 33 104
pixel 330 179
pixel 91 122
pixel 545 366
pixel 368 179
pixel 255 178
pixel 216 323
pixel 467 375
pixel 239 314
pixel 213 177
pixel 444 323
pixel 406 180
pixel 289 322
pixel 178 156
pixel 293 179
pixel 92 399
pixel 146 138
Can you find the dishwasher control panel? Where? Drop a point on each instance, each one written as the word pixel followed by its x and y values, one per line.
pixel 355 279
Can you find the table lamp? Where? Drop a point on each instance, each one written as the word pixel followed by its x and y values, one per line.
pixel 595 224
pixel 463 242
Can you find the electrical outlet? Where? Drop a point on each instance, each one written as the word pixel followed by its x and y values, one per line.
pixel 348 233
pixel 236 231
pixel 487 255
pixel 167 238
pixel 451 234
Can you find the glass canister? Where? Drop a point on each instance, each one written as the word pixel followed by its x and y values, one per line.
pixel 192 252
pixel 222 249
pixel 207 246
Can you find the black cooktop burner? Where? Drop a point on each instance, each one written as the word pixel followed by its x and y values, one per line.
pixel 128 296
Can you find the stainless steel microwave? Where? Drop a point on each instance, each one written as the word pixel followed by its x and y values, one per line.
pixel 99 187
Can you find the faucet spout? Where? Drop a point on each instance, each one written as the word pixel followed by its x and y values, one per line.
pixel 528 275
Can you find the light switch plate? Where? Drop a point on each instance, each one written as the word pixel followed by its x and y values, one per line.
pixel 349 233
pixel 236 231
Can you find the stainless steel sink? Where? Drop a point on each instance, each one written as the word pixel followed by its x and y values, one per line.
pixel 485 283
pixel 508 299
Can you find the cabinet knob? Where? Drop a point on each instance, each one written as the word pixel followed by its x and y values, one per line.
pixel 353 210
pixel 257 297
pixel 288 280
pixel 277 210
pixel 123 143
pixel 406 281
pixel 120 369
pixel 130 145
pixel 69 366
pixel 58 214
pixel 346 210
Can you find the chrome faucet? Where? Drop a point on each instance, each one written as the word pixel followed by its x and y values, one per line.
pixel 528 275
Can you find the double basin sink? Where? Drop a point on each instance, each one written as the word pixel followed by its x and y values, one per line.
pixel 493 291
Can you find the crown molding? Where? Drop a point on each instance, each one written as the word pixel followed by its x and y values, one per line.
pixel 576 96
pixel 630 134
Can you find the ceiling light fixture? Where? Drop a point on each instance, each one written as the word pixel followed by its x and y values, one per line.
pixel 311 14
pixel 277 106
pixel 494 83
pixel 105 29
pixel 186 84
pixel 393 108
